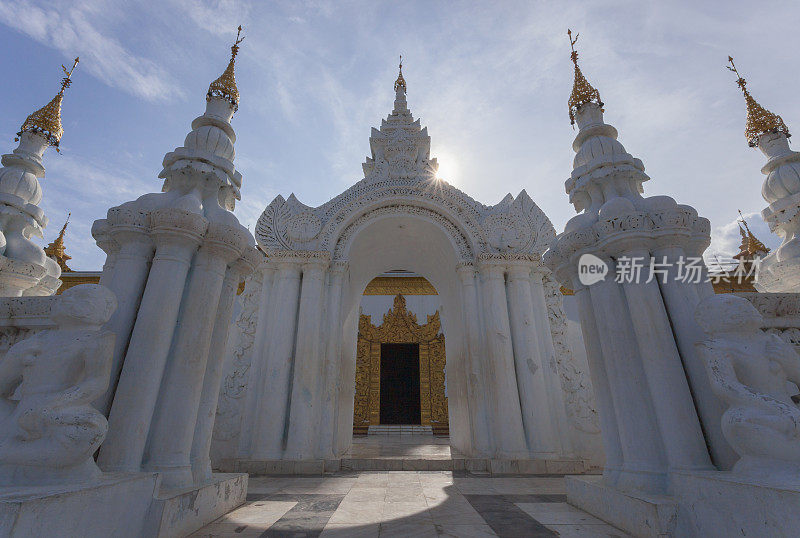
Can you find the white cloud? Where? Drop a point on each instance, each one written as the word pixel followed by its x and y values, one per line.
pixel 75 29
pixel 726 239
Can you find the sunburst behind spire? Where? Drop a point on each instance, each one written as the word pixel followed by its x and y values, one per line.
pixel 759 120
pixel 46 121
pixel 582 91
pixel 225 86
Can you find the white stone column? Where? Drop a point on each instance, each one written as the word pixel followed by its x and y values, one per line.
pixel 551 375
pixel 258 357
pixel 643 454
pixel 602 389
pixel 540 433
pixel 508 431
pixel 479 391
pixel 333 368
pixel 204 426
pixel 127 228
pixel 175 417
pixel 681 299
pixel 665 379
pixel 177 234
pixel 100 232
pixel 306 398
pixel 269 435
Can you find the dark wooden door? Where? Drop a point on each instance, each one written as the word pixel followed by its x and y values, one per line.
pixel 400 402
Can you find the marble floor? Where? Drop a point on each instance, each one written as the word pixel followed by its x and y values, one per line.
pixel 392 446
pixel 407 504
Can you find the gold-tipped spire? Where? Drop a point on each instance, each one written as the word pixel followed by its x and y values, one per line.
pixel 225 86
pixel 750 244
pixel 57 250
pixel 759 119
pixel 47 120
pixel 582 91
pixel 400 82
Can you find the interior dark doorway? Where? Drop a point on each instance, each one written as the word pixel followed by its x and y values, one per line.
pixel 400 401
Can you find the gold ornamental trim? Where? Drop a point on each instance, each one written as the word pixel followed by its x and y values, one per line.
pixel 46 121
pixel 225 86
pixel 582 91
pixel 392 285
pixel 759 120
pixel 400 82
pixel 400 327
pixel 58 251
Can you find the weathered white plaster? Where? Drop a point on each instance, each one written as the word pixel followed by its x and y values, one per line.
pixel 289 381
pixel 749 371
pixel 49 430
pixel 780 269
pixel 638 337
pixel 24 267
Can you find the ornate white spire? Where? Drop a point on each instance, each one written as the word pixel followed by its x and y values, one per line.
pixel 401 148
pixel 208 151
pixel 780 269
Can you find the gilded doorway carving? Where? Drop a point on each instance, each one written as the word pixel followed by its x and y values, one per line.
pixel 400 326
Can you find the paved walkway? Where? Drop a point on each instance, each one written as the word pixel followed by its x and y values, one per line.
pixel 408 504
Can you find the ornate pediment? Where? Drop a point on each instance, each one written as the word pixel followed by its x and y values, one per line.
pixel 400 177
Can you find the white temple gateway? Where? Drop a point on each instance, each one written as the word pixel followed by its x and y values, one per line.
pixel 401 328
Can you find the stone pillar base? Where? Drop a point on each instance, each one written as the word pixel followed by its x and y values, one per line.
pixel 638 513
pixel 421 463
pixel 116 505
pixel 179 512
pixel 704 503
pixel 723 504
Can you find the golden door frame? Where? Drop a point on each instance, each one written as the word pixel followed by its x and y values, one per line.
pixel 400 327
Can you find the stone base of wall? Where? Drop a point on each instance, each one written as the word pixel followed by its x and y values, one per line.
pixel 116 505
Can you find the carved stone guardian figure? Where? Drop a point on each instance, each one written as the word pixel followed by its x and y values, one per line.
pixel 49 430
pixel 752 372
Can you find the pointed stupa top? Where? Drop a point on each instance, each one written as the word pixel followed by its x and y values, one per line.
pixel 47 120
pixel 400 82
pixel 759 119
pixel 225 86
pixel 582 91
pixel 750 244
pixel 57 250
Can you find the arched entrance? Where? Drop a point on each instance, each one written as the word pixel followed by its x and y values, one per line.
pixel 512 385
pixel 400 371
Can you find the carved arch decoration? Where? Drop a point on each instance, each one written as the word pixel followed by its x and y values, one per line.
pixel 400 326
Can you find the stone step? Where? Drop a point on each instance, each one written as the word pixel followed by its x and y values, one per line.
pixel 399 429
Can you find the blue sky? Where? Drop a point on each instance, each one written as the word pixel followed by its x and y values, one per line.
pixel 490 80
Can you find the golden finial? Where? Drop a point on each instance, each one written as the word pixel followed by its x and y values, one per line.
pixel 759 119
pixel 225 86
pixel 47 120
pixel 750 244
pixel 57 250
pixel 582 91
pixel 400 82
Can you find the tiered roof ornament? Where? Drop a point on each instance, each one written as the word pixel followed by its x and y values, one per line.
pixel 57 250
pixel 46 121
pixel 225 86
pixel 400 83
pixel 582 91
pixel 759 120
pixel 751 245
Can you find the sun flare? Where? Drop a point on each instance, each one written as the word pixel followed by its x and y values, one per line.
pixel 448 168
